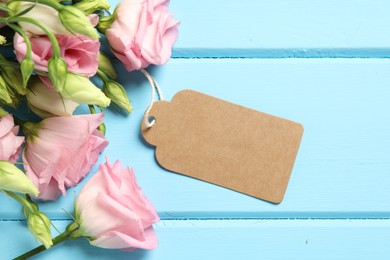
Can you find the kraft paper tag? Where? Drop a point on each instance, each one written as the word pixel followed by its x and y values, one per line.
pixel 226 144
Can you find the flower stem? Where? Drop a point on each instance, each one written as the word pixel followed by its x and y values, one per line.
pixel 58 239
pixel 54 4
pixel 102 126
pixel 102 76
pixel 92 109
pixel 26 39
pixel 23 201
pixel 50 35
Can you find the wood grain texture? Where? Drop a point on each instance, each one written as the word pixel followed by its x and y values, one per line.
pixel 229 239
pixel 341 179
pixel 282 28
pixel 342 169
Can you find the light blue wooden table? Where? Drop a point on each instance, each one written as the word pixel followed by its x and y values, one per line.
pixel 321 63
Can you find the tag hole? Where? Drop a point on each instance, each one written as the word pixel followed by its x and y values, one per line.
pixel 151 119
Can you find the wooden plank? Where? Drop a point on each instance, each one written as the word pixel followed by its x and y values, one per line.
pixel 282 28
pixel 343 166
pixel 228 239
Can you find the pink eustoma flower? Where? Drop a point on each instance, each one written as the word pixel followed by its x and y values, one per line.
pixel 60 151
pixel 112 211
pixel 10 142
pixel 143 33
pixel 79 51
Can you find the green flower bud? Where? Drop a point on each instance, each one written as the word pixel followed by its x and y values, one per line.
pixel 81 90
pixel 58 69
pixel 106 66
pixel 13 8
pixel 90 6
pixel 39 226
pixel 5 93
pixel 117 94
pixel 27 67
pixel 105 22
pixel 47 103
pixel 75 21
pixel 14 179
pixel 13 77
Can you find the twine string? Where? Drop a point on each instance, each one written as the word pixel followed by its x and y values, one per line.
pixel 155 87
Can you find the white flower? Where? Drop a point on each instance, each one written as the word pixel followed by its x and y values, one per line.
pixel 46 103
pixel 43 14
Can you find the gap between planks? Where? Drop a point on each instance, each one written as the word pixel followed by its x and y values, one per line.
pixel 204 53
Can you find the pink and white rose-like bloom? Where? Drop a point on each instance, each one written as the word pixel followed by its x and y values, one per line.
pixel 60 151
pixel 113 213
pixel 10 142
pixel 143 33
pixel 80 52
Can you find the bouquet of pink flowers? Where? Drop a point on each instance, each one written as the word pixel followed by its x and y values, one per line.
pixel 56 51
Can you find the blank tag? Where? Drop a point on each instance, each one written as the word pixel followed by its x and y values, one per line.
pixel 226 144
